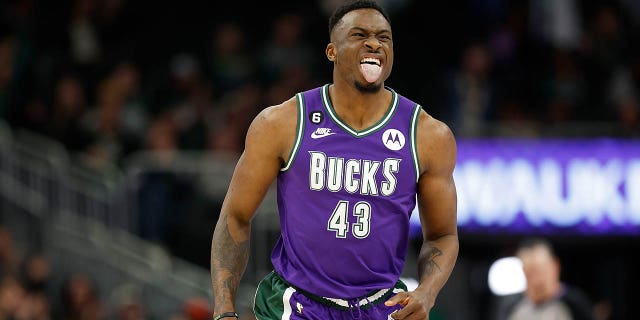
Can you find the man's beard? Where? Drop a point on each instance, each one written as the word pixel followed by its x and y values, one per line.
pixel 368 88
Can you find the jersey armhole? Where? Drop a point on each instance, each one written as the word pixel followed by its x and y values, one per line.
pixel 414 138
pixel 299 132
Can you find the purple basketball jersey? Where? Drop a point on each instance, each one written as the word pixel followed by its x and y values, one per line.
pixel 345 198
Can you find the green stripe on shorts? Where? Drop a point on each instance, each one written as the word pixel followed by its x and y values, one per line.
pixel 269 301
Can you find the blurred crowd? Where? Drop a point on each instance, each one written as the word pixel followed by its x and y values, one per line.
pixel 551 63
pixel 110 77
pixel 79 77
pixel 29 290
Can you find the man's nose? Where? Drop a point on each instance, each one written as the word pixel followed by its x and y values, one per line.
pixel 373 43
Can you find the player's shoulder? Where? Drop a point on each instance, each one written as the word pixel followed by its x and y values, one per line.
pixel 436 143
pixel 433 129
pixel 274 127
pixel 277 116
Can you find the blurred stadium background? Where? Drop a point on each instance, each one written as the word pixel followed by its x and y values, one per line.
pixel 120 123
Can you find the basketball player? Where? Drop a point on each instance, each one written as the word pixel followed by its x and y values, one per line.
pixel 350 159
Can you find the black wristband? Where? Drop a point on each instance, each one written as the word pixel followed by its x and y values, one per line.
pixel 231 314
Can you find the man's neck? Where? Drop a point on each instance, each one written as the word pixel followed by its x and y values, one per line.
pixel 359 109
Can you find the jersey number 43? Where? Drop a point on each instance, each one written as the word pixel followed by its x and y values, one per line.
pixel 339 220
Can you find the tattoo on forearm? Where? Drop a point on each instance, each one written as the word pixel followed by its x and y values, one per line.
pixel 427 263
pixel 228 260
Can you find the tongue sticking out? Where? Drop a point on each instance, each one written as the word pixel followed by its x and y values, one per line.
pixel 371 72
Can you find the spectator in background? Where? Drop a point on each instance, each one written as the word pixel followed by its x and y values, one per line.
pixel 606 50
pixel 17 56
pixel 235 110
pixel 607 42
pixel 7 47
pixel 84 49
pixel 196 110
pixel 161 138
pixel 471 91
pixel 194 118
pixel 191 103
pixel 556 23
pixel 80 300
pixel 69 104
pixel 635 79
pixel 103 123
pixel 623 97
pixel 23 287
pixel 185 75
pixel 159 190
pixel 9 260
pixel 564 90
pixel 18 100
pixel 118 121
pixel 285 49
pixel 84 43
pixel 12 294
pixel 196 308
pixel 230 63
pixel 127 303
pixel 133 121
pixel 34 306
pixel 546 297
pixel 293 79
pixel 37 274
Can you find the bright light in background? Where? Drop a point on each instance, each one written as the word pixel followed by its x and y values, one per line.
pixel 506 276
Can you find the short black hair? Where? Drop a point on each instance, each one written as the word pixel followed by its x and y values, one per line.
pixel 354 5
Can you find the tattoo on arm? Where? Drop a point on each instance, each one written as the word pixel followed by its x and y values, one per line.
pixel 228 261
pixel 427 263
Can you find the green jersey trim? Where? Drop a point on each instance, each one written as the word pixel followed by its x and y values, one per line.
pixel 299 133
pixel 358 134
pixel 414 139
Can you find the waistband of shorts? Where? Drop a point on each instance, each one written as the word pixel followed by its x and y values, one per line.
pixel 370 299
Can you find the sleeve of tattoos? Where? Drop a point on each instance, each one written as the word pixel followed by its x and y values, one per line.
pixel 229 256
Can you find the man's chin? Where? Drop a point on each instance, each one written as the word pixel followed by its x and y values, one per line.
pixel 368 87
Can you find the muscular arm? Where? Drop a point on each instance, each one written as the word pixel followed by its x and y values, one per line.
pixel 269 135
pixel 437 203
pixel 437 206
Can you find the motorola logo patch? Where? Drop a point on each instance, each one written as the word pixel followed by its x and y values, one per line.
pixel 393 139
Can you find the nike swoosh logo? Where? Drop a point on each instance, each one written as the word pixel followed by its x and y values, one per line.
pixel 322 135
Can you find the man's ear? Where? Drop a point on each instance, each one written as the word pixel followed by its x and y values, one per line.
pixel 331 52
